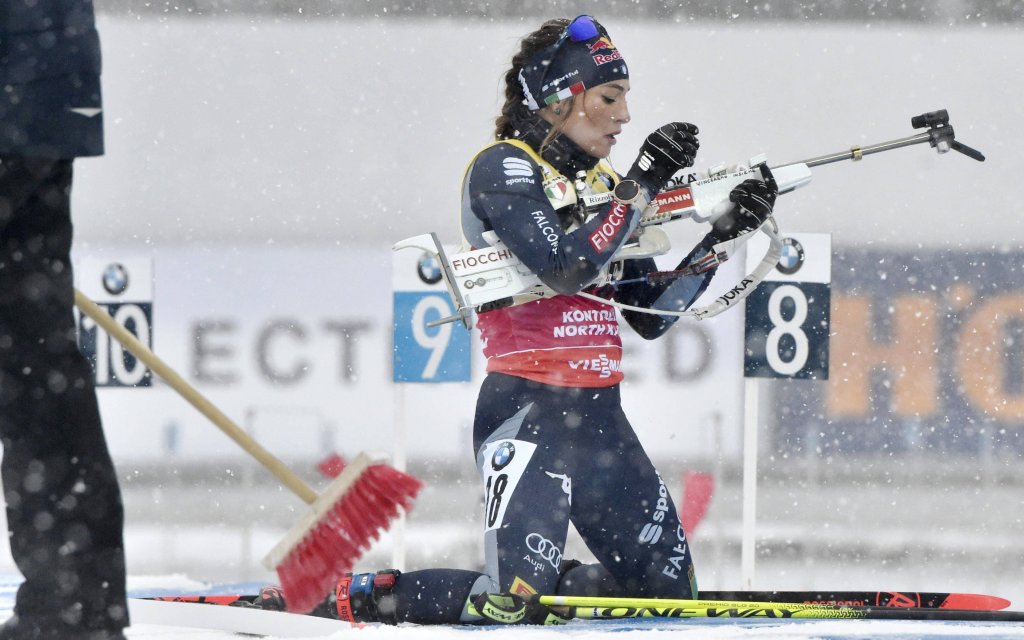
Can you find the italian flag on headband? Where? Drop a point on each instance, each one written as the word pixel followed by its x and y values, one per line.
pixel 566 93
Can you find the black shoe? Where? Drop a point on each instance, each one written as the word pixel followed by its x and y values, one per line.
pixel 30 629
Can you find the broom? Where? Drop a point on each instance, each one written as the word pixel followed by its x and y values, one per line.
pixel 342 522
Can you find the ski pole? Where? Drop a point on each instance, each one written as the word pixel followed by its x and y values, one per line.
pixel 605 608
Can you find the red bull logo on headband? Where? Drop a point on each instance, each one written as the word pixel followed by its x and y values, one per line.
pixel 604 43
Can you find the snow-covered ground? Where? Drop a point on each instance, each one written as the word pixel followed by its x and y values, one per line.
pixel 929 534
pixel 195 540
pixel 190 628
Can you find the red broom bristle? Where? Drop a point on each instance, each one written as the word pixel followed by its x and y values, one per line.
pixel 332 546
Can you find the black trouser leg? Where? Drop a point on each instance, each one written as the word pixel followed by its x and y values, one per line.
pixel 554 454
pixel 64 509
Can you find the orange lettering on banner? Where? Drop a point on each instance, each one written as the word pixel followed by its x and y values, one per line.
pixel 982 362
pixel 909 359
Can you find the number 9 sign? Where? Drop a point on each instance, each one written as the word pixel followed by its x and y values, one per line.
pixel 422 353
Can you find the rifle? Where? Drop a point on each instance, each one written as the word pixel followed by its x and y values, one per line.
pixel 493 277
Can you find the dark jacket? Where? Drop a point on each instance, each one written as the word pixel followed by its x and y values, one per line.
pixel 50 104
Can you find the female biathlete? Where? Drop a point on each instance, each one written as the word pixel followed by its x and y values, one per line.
pixel 550 437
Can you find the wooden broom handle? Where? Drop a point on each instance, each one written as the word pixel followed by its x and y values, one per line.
pixel 196 399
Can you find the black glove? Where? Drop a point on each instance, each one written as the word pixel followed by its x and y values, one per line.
pixel 754 202
pixel 671 148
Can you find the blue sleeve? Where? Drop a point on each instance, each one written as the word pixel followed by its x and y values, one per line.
pixel 506 191
pixel 677 295
pixel 50 62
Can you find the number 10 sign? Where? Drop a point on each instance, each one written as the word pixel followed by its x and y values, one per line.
pixel 422 353
pixel 124 289
pixel 788 315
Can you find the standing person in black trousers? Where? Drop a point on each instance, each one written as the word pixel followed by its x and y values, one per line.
pixel 64 509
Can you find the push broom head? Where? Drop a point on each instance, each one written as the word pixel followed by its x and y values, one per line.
pixel 340 527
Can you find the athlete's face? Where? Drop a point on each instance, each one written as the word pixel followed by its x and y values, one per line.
pixel 596 117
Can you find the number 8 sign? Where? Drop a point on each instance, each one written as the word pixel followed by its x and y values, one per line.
pixel 788 315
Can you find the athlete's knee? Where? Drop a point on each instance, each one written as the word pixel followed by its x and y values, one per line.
pixel 578 579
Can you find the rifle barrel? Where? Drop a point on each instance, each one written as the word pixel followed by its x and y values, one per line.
pixel 857 152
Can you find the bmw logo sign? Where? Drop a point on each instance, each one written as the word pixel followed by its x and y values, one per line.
pixel 792 258
pixel 115 279
pixel 503 455
pixel 428 269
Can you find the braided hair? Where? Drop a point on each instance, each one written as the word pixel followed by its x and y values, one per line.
pixel 546 35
